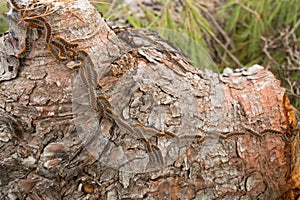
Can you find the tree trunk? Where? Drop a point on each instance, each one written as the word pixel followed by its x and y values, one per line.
pixel 153 127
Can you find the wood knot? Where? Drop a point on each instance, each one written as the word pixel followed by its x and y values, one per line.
pixel 88 188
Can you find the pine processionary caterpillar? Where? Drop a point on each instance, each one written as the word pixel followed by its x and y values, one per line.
pixel 67 46
pixel 269 131
pixel 15 5
pixel 92 98
pixel 77 65
pixel 101 109
pixel 231 134
pixel 27 46
pixel 218 134
pixel 235 133
pixel 60 49
pixel 149 150
pixel 65 42
pixel 171 134
pixel 297 115
pixel 121 124
pixel 90 72
pixel 158 133
pixel 70 53
pixel 107 102
pixel 109 114
pixel 90 89
pixel 37 23
pixel 47 27
pixel 124 125
pixel 55 52
pixel 272 131
pixel 147 144
pixel 158 155
pixel 30 23
pixel 83 78
pixel 149 130
pixel 253 132
pixel 34 23
pixel 190 137
pixel 103 103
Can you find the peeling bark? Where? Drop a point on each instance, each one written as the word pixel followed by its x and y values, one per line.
pixel 50 153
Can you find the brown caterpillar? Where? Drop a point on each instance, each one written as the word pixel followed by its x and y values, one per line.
pixel 15 5
pixel 121 124
pixel 65 42
pixel 297 115
pixel 34 23
pixel 55 52
pixel 158 155
pixel 147 145
pixel 47 27
pixel 78 65
pixel 171 134
pixel 67 46
pixel 225 136
pixel 190 137
pixel 60 48
pixel 91 90
pixel 253 132
pixel 103 104
pixel 27 46
pixel 107 102
pixel 272 131
pixel 90 72
pixel 149 130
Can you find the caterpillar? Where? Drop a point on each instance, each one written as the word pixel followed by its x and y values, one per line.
pixel 297 115
pixel 147 145
pixel 15 5
pixel 60 48
pixel 272 131
pixel 34 23
pixel 253 132
pixel 171 134
pixel 65 42
pixel 67 46
pixel 190 137
pixel 91 91
pixel 107 102
pixel 27 46
pixel 90 72
pixel 55 52
pixel 30 23
pixel 149 130
pixel 47 27
pixel 158 155
pixel 103 104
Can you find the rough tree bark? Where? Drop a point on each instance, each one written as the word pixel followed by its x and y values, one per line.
pixel 47 152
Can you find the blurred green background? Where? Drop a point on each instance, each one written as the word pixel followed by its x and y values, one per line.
pixel 3 9
pixel 235 33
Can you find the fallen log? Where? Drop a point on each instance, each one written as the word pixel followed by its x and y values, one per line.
pixel 92 113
